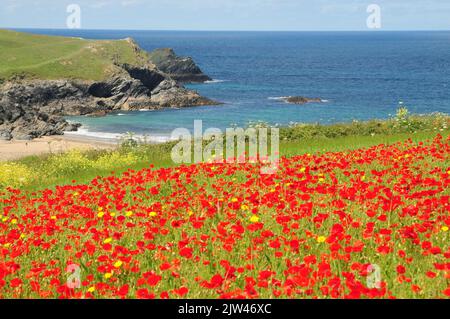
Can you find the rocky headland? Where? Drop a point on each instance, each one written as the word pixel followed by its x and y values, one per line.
pixel 182 69
pixel 31 107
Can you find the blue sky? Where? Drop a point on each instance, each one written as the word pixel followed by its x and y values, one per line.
pixel 228 14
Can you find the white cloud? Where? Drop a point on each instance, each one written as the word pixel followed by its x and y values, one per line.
pixel 99 4
pixel 127 3
pixel 11 6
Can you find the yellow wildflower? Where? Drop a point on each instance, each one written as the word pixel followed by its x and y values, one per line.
pixel 129 214
pixel 153 214
pixel 444 228
pixel 321 239
pixel 254 219
pixel 108 275
pixel 107 240
pixel 91 289
pixel 118 264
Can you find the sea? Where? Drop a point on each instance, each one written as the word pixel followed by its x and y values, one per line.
pixel 358 76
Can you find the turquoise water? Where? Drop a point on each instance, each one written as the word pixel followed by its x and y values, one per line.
pixel 362 75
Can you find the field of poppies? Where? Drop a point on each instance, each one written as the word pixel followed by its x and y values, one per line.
pixel 366 223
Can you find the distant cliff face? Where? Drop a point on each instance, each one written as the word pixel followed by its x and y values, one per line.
pixel 182 69
pixel 33 106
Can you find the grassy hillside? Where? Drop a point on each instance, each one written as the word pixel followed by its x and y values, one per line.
pixel 51 57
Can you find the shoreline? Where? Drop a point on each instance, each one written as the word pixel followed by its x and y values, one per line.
pixel 16 150
pixel 114 138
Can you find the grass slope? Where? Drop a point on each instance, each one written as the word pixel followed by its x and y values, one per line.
pixel 38 172
pixel 51 57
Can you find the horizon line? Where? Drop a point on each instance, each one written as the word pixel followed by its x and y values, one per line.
pixel 224 30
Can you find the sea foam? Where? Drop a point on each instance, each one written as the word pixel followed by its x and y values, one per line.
pixel 215 81
pixel 108 136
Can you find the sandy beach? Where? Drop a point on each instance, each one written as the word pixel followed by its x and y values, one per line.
pixel 13 150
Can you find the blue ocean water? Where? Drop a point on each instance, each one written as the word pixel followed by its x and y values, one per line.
pixel 362 75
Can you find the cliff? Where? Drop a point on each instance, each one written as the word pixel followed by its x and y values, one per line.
pixel 182 69
pixel 45 78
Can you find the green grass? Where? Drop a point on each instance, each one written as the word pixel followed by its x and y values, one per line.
pixel 51 57
pixel 52 170
pixel 291 148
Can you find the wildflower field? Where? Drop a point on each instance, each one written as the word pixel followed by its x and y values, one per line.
pixel 366 223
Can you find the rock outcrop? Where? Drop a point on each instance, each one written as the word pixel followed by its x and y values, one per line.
pixel 36 108
pixel 169 94
pixel 300 100
pixel 23 117
pixel 181 69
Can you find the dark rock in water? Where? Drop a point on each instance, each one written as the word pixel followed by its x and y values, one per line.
pixel 301 100
pixel 72 127
pixel 170 94
pixel 182 69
